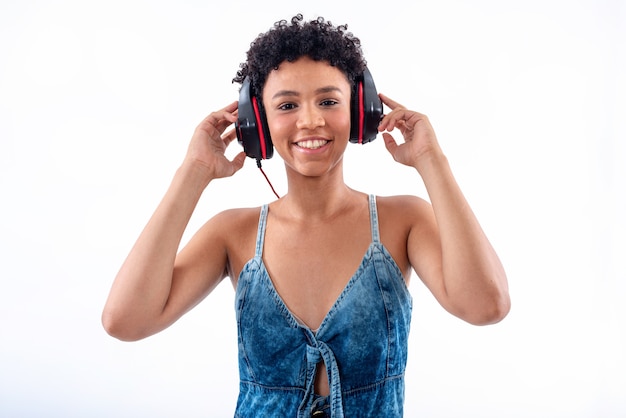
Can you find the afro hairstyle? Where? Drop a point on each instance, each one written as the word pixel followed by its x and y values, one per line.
pixel 318 39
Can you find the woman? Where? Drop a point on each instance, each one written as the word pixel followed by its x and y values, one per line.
pixel 321 274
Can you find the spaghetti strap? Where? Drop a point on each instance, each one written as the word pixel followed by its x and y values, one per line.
pixel 260 236
pixel 374 219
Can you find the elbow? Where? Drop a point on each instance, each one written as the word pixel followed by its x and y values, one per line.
pixel 490 312
pixel 117 327
pixel 480 308
pixel 113 326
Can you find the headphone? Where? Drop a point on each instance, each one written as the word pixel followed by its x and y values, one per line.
pixel 366 110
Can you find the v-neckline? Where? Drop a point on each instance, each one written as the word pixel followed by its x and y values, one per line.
pixel 293 318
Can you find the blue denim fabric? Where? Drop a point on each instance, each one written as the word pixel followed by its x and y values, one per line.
pixel 362 340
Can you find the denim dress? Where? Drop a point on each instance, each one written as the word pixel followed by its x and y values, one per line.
pixel 362 341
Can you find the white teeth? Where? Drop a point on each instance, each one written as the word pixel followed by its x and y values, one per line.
pixel 312 143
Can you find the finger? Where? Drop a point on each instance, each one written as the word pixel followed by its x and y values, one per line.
pixel 391 104
pixel 229 136
pixel 218 121
pixel 222 119
pixel 389 121
pixel 395 119
pixel 390 143
pixel 228 112
pixel 232 107
pixel 238 161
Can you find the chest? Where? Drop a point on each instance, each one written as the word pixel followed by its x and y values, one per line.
pixel 310 265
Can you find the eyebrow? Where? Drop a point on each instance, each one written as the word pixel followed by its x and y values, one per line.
pixel 321 90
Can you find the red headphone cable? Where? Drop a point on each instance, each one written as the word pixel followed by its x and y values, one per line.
pixel 258 164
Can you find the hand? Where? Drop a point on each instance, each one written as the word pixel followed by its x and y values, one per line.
pixel 209 144
pixel 419 136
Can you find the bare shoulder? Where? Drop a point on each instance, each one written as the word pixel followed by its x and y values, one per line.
pixel 235 230
pixel 400 218
pixel 219 246
pixel 402 208
pixel 231 226
pixel 236 217
pixel 408 214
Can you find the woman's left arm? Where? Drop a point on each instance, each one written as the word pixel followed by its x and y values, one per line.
pixel 451 252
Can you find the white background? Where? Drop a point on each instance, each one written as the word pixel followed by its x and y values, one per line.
pixel 99 99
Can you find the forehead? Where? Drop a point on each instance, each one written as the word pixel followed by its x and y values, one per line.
pixel 304 74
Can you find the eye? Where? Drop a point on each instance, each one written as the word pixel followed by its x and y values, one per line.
pixel 329 102
pixel 287 106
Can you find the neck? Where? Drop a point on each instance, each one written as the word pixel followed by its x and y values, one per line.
pixel 317 198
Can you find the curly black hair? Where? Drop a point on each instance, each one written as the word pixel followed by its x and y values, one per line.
pixel 318 39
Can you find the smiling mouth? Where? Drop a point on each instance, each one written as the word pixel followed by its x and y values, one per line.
pixel 312 143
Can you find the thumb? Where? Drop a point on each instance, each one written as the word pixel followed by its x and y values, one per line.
pixel 238 161
pixel 390 143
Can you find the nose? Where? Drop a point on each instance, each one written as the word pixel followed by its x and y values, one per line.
pixel 309 117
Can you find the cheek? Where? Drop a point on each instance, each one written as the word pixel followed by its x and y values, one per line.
pixel 341 123
pixel 279 126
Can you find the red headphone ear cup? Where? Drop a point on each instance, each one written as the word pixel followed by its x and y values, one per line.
pixel 366 110
pixel 258 116
pixel 356 133
pixel 361 112
pixel 251 126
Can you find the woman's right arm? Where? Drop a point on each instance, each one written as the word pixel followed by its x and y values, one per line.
pixel 150 292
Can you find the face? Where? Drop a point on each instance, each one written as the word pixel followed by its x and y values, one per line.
pixel 307 104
